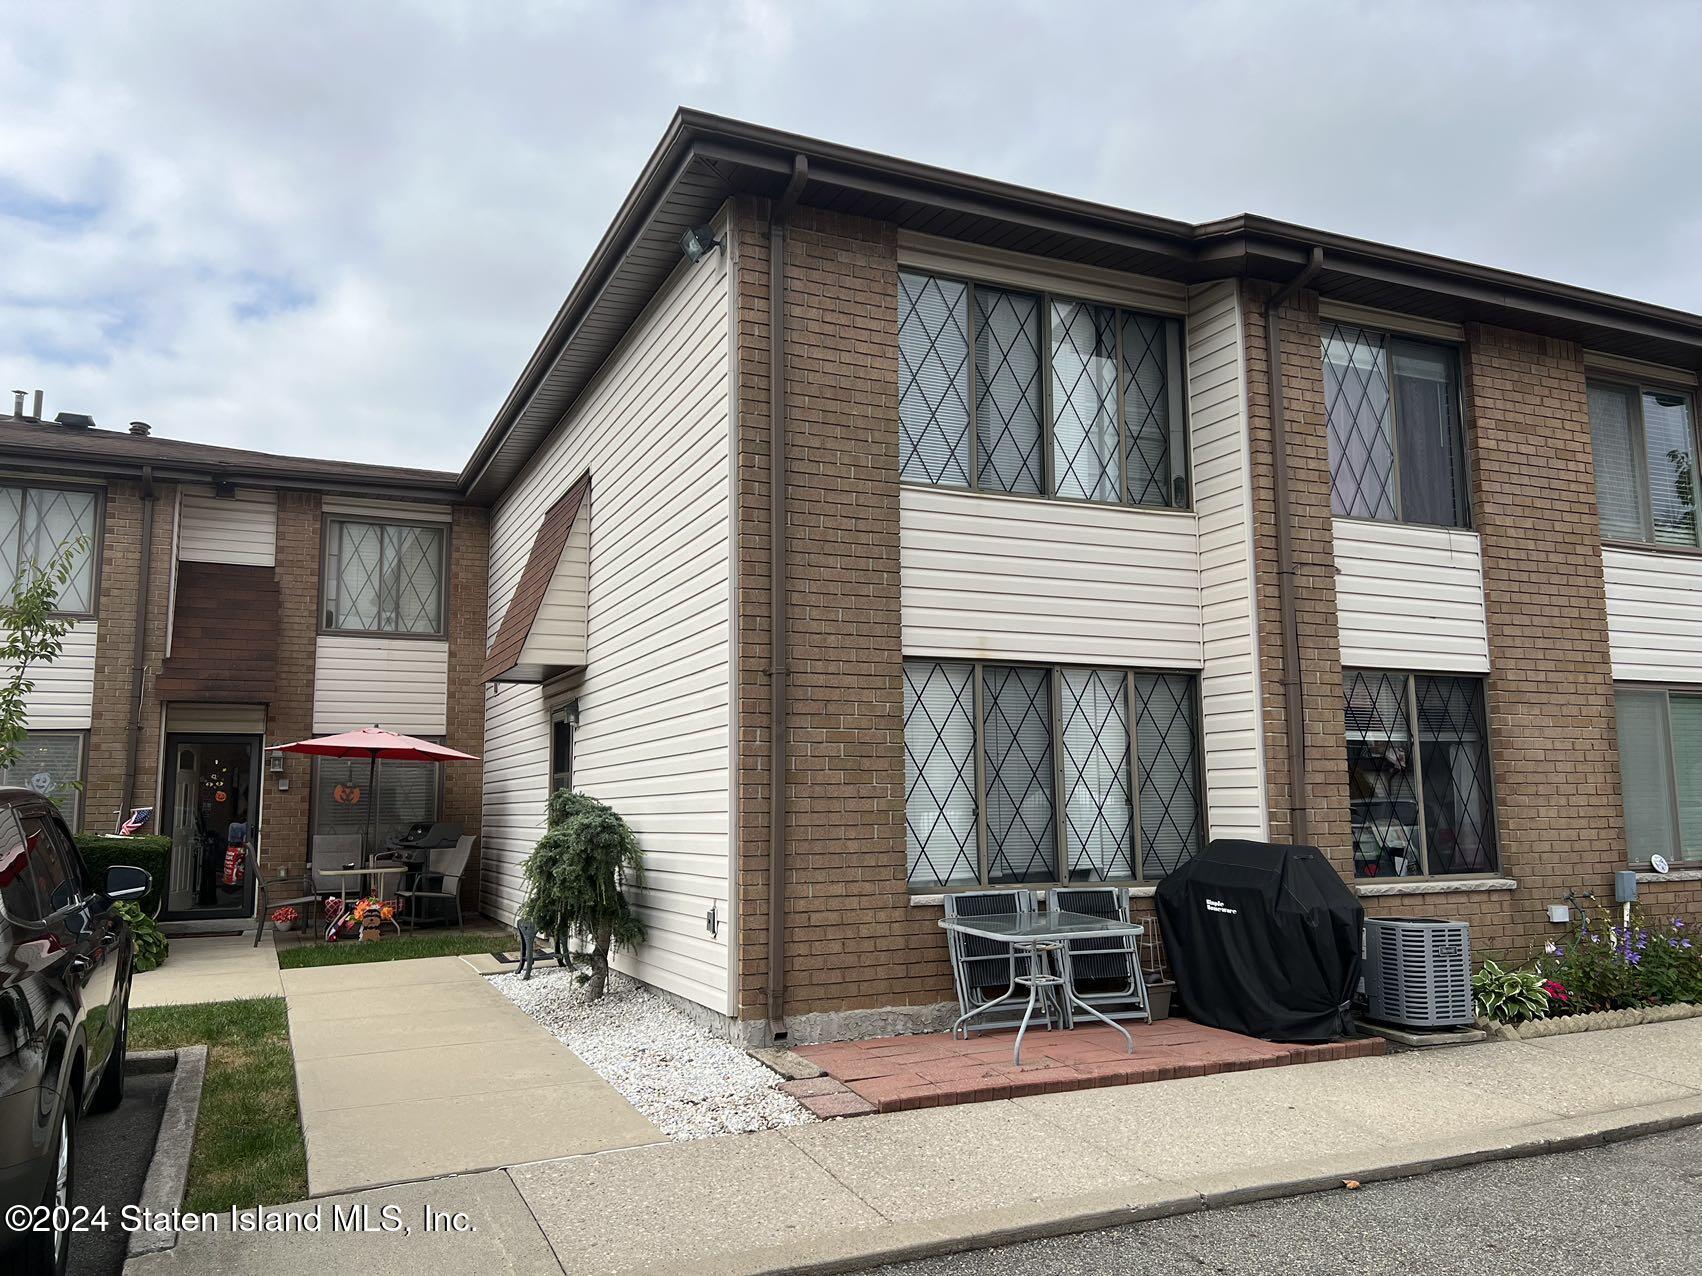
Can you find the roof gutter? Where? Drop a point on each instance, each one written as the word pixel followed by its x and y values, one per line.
pixel 777 575
pixel 1293 679
pixel 139 647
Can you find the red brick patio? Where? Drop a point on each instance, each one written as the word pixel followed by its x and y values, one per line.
pixel 932 1070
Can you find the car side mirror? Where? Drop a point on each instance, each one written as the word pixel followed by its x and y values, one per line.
pixel 125 882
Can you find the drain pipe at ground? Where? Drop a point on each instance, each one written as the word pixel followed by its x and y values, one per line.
pixel 777 524
pixel 1293 679
pixel 139 649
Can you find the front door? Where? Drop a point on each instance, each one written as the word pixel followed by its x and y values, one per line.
pixel 212 802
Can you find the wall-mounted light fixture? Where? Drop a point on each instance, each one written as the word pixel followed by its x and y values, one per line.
pixel 698 242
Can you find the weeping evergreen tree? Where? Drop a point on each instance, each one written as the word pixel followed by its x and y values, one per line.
pixel 576 880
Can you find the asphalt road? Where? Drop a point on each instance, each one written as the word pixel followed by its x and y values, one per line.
pixel 113 1152
pixel 1628 1207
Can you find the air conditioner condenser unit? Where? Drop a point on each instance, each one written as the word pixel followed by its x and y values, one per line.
pixel 1418 972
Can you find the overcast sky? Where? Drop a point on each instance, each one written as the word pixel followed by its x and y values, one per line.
pixel 340 228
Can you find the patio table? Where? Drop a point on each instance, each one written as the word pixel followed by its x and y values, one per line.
pixel 1045 939
pixel 380 871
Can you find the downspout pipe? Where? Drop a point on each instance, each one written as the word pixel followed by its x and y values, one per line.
pixel 779 697
pixel 139 648
pixel 1293 679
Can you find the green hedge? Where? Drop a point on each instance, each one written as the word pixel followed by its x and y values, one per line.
pixel 100 852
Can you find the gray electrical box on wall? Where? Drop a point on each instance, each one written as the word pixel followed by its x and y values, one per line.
pixel 1625 887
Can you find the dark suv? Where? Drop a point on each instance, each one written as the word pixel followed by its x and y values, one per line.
pixel 65 962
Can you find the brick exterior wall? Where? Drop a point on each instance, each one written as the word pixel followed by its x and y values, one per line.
pixel 852 940
pixel 463 783
pixel 1553 742
pixel 285 813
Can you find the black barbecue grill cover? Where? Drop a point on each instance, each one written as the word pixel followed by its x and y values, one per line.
pixel 1263 940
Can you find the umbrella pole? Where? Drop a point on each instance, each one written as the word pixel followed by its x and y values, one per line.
pixel 371 805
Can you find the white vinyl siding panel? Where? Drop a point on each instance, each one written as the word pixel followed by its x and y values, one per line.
pixel 987 577
pixel 1410 597
pixel 64 694
pixel 216 719
pixel 240 530
pixel 1654 615
pixel 394 511
pixel 653 739
pixel 557 636
pixel 400 684
pixel 1232 737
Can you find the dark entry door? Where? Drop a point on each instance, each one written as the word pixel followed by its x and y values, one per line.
pixel 212 801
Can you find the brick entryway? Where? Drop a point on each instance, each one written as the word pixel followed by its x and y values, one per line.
pixel 924 1071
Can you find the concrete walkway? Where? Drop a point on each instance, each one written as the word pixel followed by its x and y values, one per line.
pixel 843 1194
pixel 217 968
pixel 413 1069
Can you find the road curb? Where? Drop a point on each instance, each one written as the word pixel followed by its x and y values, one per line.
pixel 909 1242
pixel 168 1172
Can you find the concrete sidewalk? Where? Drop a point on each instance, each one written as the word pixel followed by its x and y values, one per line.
pixel 844 1194
pixel 413 1069
pixel 216 968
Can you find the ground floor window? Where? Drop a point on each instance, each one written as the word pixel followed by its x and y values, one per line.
pixel 51 763
pixel 1421 801
pixel 1660 771
pixel 562 723
pixel 1022 773
pixel 407 793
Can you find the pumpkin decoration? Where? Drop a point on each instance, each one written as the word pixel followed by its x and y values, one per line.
pixel 346 794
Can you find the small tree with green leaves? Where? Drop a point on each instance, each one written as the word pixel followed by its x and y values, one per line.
pixel 576 882
pixel 32 634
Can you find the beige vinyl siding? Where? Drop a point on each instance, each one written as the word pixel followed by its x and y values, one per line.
pixel 1654 615
pixel 1232 739
pixel 400 684
pixel 64 694
pixel 989 577
pixel 558 632
pixel 240 530
pixel 1409 597
pixel 217 719
pixel 654 708
pixel 393 511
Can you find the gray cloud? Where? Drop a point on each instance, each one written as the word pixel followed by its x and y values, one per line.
pixel 340 229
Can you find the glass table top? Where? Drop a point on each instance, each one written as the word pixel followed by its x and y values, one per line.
pixel 1024 927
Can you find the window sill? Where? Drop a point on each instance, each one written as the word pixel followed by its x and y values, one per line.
pixel 1460 886
pixel 1650 547
pixel 1671 875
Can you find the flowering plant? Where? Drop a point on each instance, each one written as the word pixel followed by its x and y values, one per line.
pixel 1610 963
pixel 285 916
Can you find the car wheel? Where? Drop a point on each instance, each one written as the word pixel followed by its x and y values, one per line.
pixel 46 1251
pixel 110 1093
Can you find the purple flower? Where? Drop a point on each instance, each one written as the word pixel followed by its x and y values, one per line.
pixel 1684 943
pixel 1635 958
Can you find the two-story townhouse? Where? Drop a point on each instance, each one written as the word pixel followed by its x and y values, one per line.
pixel 226 600
pixel 1103 535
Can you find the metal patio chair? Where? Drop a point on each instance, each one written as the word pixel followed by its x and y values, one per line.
pixel 1105 973
pixel 299 890
pixel 985 969
pixel 439 879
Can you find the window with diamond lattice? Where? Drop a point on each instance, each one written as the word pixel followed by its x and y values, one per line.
pixel 384 578
pixel 1021 773
pixel 1393 418
pixel 1645 454
pixel 1424 806
pixel 37 523
pixel 1062 397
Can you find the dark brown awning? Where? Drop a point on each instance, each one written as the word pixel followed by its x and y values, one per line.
pixel 517 655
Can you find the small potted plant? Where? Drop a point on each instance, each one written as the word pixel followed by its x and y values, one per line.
pixel 285 919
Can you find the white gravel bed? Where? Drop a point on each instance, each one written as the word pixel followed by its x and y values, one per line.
pixel 691 1083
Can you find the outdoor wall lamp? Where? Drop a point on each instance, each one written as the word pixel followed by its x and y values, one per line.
pixel 698 242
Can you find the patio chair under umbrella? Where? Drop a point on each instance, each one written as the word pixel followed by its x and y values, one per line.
pixel 373 743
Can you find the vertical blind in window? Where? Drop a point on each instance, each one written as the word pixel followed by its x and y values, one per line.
pixel 1645 456
pixel 1027 770
pixel 343 792
pixel 36 523
pixel 1061 398
pixel 51 763
pixel 1660 772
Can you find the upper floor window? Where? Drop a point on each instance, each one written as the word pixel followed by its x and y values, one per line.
pixel 35 524
pixel 1396 447
pixel 1645 451
pixel 1418 775
pixel 1021 773
pixel 384 578
pixel 1008 391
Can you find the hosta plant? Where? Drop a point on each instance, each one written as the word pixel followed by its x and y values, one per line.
pixel 151 946
pixel 1509 996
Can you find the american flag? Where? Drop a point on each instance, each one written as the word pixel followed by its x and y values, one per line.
pixel 137 822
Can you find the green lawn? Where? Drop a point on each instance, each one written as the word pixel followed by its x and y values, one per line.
pixel 397 948
pixel 248 1144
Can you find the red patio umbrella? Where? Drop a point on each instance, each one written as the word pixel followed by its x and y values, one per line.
pixel 373 743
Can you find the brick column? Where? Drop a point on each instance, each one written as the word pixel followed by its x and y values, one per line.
pixel 290 715
pixel 1329 822
pixel 463 782
pixel 852 940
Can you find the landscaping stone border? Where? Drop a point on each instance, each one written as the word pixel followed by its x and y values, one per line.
pixel 168 1172
pixel 1564 1025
